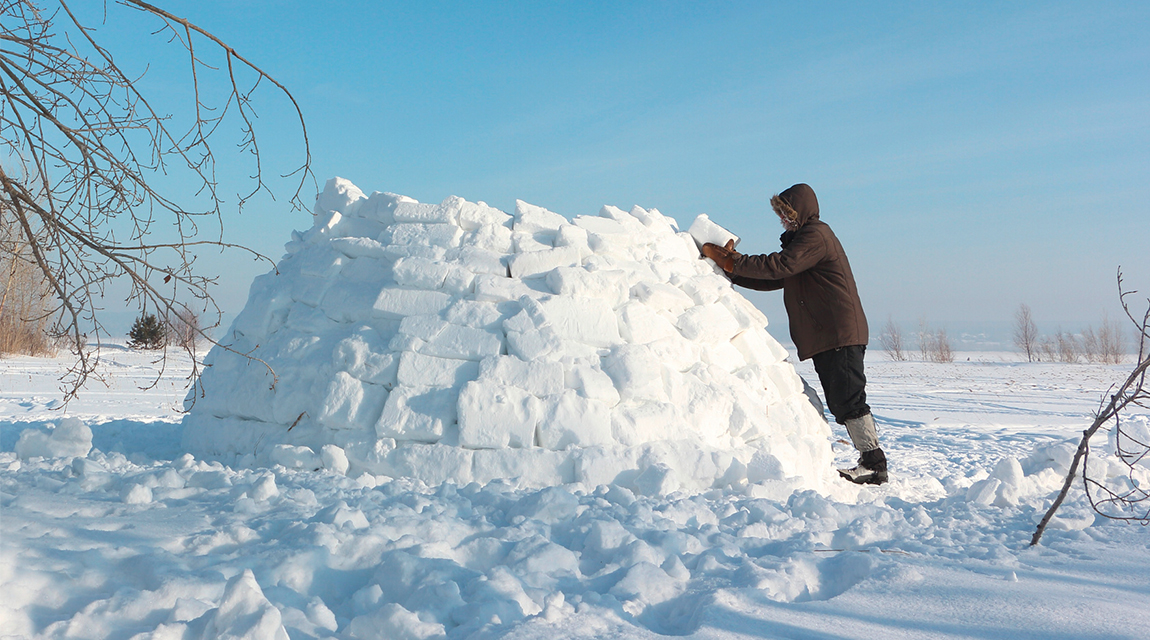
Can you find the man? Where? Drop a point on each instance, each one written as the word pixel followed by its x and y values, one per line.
pixel 826 316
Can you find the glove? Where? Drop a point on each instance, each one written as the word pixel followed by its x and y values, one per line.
pixel 786 238
pixel 723 256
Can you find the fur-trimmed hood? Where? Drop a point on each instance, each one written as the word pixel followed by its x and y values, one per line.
pixel 796 206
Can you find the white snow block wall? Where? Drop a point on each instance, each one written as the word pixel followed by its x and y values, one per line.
pixel 458 342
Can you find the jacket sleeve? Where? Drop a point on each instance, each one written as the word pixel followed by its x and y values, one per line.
pixel 756 284
pixel 804 252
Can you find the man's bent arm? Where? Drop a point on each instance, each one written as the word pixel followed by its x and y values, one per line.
pixel 804 252
pixel 756 283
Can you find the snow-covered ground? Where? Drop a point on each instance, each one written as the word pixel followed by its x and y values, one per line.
pixel 138 539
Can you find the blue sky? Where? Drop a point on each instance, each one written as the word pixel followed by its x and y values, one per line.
pixel 970 156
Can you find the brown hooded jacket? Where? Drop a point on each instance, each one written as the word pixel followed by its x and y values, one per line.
pixel 819 289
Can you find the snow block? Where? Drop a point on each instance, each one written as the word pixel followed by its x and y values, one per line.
pixel 534 344
pixel 703 230
pixel 537 377
pixel 432 235
pixel 662 297
pixel 426 213
pixel 532 219
pixel 351 404
pixel 474 215
pixel 640 324
pixel 534 263
pixel 478 261
pixel 711 323
pixel 464 343
pixel 359 247
pixel 490 237
pixel 591 382
pixel 417 414
pixel 419 370
pixel 493 415
pixel 400 303
pixel 572 420
pixel 420 273
pixel 581 319
pixel 493 288
pixel 757 347
pixel 610 286
pixel 478 314
pixel 339 195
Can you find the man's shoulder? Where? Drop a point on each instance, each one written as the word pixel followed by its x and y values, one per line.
pixel 815 228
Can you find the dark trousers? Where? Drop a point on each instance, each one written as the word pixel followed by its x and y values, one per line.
pixel 844 383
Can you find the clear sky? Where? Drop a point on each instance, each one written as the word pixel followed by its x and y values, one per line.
pixel 970 156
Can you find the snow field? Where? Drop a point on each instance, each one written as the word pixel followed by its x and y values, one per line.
pixel 456 341
pixel 108 530
pixel 340 557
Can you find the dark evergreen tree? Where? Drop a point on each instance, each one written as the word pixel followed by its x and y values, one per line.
pixel 146 333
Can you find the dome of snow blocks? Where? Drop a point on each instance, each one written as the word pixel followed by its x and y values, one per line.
pixel 457 342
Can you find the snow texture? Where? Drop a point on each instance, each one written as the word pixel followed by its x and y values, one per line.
pixel 458 342
pixel 127 536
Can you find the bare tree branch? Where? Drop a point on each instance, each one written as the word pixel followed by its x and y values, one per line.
pixel 82 152
pixel 1130 503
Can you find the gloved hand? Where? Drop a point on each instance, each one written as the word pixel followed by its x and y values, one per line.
pixel 723 256
pixel 786 238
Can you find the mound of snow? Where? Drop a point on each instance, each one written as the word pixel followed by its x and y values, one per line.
pixel 458 342
pixel 69 438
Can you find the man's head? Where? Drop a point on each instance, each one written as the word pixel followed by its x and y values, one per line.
pixel 796 206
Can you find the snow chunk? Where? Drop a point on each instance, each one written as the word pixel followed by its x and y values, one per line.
pixel 532 219
pixel 534 263
pixel 244 612
pixel 420 414
pixel 400 303
pixel 703 230
pixel 69 438
pixel 493 415
pixel 339 195
pixel 575 420
pixel 393 622
pixel 536 377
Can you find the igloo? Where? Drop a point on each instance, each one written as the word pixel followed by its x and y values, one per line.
pixel 456 342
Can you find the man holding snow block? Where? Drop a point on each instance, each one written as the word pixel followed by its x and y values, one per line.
pixel 826 316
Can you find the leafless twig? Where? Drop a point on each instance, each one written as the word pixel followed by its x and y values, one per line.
pixel 83 150
pixel 1129 503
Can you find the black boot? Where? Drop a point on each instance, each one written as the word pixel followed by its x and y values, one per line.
pixel 871 469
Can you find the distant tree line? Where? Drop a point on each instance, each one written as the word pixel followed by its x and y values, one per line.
pixel 933 345
pixel 1104 345
pixel 1107 345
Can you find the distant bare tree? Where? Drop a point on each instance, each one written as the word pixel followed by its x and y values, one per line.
pixel 84 150
pixel 183 329
pixel 1090 348
pixel 25 307
pixel 1111 342
pixel 925 340
pixel 934 346
pixel 1068 348
pixel 1130 501
pixel 1108 345
pixel 891 341
pixel 1025 332
pixel 940 348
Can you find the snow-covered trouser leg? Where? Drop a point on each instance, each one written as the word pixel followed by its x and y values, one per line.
pixel 863 433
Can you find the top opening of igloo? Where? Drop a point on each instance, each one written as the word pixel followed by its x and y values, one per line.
pixel 457 342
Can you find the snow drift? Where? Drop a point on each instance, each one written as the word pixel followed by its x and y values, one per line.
pixel 458 342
